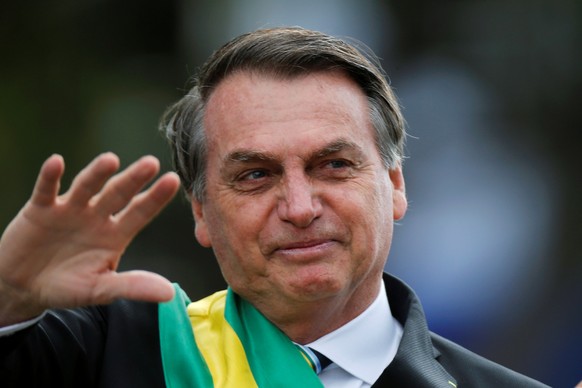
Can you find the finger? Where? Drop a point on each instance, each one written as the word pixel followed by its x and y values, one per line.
pixel 92 178
pixel 121 189
pixel 135 285
pixel 48 181
pixel 144 207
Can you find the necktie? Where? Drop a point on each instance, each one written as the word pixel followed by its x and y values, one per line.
pixel 317 360
pixel 324 362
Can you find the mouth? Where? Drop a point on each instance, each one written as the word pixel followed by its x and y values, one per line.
pixel 305 249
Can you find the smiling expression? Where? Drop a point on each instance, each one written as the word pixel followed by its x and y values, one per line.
pixel 299 206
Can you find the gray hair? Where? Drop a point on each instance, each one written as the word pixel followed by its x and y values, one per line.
pixel 283 53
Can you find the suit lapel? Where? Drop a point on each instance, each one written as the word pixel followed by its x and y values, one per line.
pixel 415 364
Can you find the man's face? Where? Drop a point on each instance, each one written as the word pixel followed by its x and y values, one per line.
pixel 299 206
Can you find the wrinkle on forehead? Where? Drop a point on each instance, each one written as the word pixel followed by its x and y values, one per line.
pixel 249 85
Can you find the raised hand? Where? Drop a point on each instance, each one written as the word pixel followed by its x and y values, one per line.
pixel 63 250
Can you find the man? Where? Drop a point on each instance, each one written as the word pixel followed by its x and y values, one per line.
pixel 290 147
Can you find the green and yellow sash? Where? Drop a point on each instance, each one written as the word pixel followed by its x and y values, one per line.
pixel 223 341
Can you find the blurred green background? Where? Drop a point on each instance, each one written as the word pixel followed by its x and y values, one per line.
pixel 490 90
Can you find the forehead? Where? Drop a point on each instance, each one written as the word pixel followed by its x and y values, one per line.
pixel 260 112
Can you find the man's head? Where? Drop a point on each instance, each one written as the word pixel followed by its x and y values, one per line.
pixel 300 141
pixel 283 53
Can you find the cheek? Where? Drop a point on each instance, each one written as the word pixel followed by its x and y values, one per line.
pixel 371 221
pixel 232 255
pixel 234 230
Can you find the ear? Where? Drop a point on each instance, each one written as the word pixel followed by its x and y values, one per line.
pixel 200 228
pixel 399 202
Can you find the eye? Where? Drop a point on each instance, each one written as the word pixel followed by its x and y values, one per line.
pixel 253 181
pixel 253 175
pixel 335 164
pixel 335 169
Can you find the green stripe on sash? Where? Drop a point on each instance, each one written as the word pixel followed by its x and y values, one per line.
pixel 183 364
pixel 274 359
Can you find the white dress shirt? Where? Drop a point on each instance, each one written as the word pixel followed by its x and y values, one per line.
pixel 362 348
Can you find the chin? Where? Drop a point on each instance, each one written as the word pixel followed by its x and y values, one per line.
pixel 316 286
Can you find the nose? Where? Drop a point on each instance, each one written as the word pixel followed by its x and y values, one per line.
pixel 299 203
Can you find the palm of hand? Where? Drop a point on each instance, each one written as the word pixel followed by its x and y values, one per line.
pixel 63 251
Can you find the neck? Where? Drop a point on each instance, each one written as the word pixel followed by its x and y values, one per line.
pixel 306 321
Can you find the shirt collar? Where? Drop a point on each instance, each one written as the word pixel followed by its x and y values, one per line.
pixel 366 345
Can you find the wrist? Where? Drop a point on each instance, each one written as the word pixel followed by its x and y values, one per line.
pixel 16 306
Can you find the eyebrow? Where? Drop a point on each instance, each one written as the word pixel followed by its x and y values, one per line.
pixel 250 156
pixel 246 156
pixel 336 146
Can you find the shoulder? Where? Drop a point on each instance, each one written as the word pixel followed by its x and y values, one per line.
pixel 470 369
pixel 420 347
pixel 127 313
pixel 98 319
pixel 98 329
pixel 115 346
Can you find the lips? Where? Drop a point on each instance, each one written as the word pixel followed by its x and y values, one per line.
pixel 305 249
pixel 296 242
pixel 304 244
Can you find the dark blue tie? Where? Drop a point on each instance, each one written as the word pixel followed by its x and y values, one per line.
pixel 323 361
pixel 316 360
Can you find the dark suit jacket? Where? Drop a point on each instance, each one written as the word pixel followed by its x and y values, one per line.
pixel 118 346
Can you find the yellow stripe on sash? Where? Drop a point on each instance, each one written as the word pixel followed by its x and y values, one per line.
pixel 219 344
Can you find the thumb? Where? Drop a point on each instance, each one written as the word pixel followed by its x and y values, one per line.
pixel 136 285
